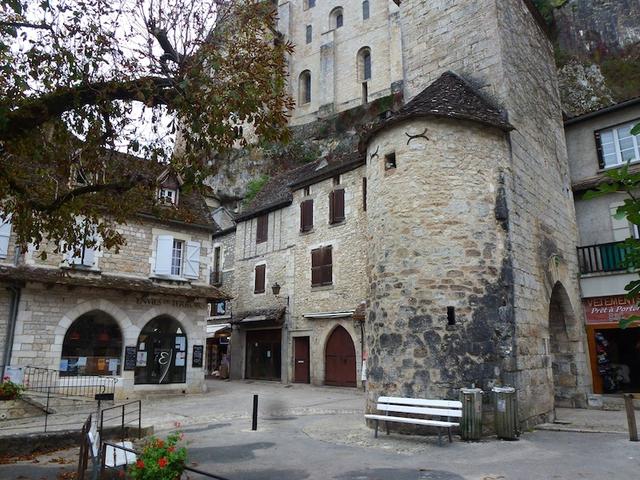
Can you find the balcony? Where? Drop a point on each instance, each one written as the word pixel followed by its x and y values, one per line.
pixel 602 258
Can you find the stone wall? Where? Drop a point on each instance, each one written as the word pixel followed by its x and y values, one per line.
pixel 227 243
pixel 436 242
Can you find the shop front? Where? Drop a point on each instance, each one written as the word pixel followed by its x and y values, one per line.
pixel 218 339
pixel 614 352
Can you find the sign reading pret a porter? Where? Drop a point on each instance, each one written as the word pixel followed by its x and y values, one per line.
pixel 609 309
pixel 170 302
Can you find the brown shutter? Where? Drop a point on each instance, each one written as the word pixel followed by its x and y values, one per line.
pixel 262 229
pixel 327 266
pixel 364 194
pixel 260 279
pixel 306 216
pixel 316 267
pixel 331 207
pixel 599 149
pixel 338 208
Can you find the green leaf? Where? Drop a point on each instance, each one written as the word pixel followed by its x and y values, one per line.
pixel 636 130
pixel 626 322
pixel 620 215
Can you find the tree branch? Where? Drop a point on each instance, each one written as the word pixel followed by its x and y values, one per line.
pixel 39 26
pixel 33 113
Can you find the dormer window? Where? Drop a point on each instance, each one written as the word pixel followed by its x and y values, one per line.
pixel 168 196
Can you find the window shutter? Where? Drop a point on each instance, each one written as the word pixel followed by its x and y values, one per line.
pixel 338 206
pixel 262 228
pixel 260 279
pixel 306 216
pixel 599 149
pixel 164 252
pixel 332 207
pixel 327 266
pixel 192 260
pixel 5 234
pixel 316 267
pixel 364 194
pixel 89 257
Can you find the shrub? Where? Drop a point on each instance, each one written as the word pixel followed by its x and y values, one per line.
pixel 10 390
pixel 160 459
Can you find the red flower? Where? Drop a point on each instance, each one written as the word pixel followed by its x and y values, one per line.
pixel 171 449
pixel 162 462
pixel 140 464
pixel 159 443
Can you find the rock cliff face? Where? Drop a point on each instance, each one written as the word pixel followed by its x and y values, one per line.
pixel 598 52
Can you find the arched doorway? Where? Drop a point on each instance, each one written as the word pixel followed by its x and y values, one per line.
pixel 92 346
pixel 161 352
pixel 562 348
pixel 340 359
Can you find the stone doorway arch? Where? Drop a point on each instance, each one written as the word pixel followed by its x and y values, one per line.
pixel 563 348
pixel 340 359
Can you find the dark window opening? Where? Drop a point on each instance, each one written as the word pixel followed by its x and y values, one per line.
pixel 365 9
pixel 307 191
pixel 262 230
pixel 365 93
pixel 306 216
pixel 309 33
pixel 216 273
pixel 339 20
pixel 364 194
pixel 336 180
pixel 321 266
pixel 161 353
pixel 390 161
pixel 366 61
pixel 618 359
pixel 336 206
pixel 259 284
pixel 238 131
pixel 451 315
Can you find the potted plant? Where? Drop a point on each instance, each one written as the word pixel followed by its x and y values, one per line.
pixel 9 390
pixel 160 459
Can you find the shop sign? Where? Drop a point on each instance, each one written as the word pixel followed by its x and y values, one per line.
pixel 196 359
pixel 171 302
pixel 610 309
pixel 130 358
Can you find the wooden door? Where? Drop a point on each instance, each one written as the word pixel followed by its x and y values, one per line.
pixel 263 354
pixel 340 359
pixel 301 360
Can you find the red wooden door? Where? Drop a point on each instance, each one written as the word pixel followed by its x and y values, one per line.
pixel 301 360
pixel 340 359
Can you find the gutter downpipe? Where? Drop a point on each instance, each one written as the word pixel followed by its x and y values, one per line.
pixel 13 316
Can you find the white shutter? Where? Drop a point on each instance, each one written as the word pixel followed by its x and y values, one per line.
pixel 71 258
pixel 164 251
pixel 89 257
pixel 192 260
pixel 5 233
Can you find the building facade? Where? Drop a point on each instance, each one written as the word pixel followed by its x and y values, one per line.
pixel 599 142
pixel 138 315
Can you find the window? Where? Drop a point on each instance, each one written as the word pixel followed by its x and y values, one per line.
pixel 218 308
pixel 321 267
pixel 262 230
pixel 364 194
pixel 168 196
pixel 366 59
pixel 306 216
pixel 309 34
pixel 176 257
pixel 363 62
pixel 307 191
pixel 365 93
pixel 84 253
pixel 5 234
pixel 365 10
pixel 216 274
pixel 336 18
pixel 309 4
pixel 336 180
pixel 259 281
pixel 238 131
pixel 304 87
pixel 390 161
pixel 616 146
pixel 336 206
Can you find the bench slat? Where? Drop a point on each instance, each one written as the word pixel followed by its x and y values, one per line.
pixel 420 402
pixel 438 412
pixel 415 421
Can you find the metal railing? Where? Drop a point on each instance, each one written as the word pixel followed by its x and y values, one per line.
pixel 127 416
pixel 106 470
pixel 46 380
pixel 604 257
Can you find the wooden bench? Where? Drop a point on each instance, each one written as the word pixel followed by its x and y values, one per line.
pixel 433 413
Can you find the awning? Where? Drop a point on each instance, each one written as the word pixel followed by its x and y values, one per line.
pixel 320 315
pixel 265 316
pixel 213 329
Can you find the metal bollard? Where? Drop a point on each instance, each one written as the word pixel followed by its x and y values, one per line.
pixel 254 419
pixel 631 417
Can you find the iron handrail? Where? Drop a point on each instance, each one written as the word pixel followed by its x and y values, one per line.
pixel 122 416
pixel 40 379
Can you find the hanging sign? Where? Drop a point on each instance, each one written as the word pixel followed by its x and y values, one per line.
pixel 130 358
pixel 198 353
pixel 609 309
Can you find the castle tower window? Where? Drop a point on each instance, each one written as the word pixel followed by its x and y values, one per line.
pixel 309 33
pixel 365 10
pixel 304 87
pixel 309 4
pixel 336 18
pixel 364 64
pixel 390 161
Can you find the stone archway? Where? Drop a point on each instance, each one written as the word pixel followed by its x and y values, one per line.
pixel 161 352
pixel 563 348
pixel 340 359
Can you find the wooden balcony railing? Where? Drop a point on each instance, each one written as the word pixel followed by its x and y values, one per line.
pixel 605 257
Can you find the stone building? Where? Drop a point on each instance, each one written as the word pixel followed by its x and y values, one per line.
pixel 138 315
pixel 446 120
pixel 599 142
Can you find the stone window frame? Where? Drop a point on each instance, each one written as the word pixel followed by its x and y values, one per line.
pixel 308 34
pixel 366 10
pixel 615 143
pixel 305 87
pixel 336 18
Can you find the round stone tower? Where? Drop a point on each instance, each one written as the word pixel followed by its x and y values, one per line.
pixel 440 306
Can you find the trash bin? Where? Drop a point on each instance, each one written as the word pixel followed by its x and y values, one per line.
pixel 506 413
pixel 471 423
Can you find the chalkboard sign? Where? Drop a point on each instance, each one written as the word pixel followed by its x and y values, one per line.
pixel 129 358
pixel 198 351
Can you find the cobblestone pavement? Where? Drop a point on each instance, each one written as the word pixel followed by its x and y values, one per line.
pixel 318 433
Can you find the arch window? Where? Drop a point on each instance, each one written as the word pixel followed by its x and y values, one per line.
pixel 304 87
pixel 161 352
pixel 309 33
pixel 336 18
pixel 365 10
pixel 92 346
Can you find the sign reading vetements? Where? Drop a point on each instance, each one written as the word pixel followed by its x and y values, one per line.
pixel 198 351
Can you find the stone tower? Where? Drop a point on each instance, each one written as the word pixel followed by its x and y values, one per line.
pixel 472 230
